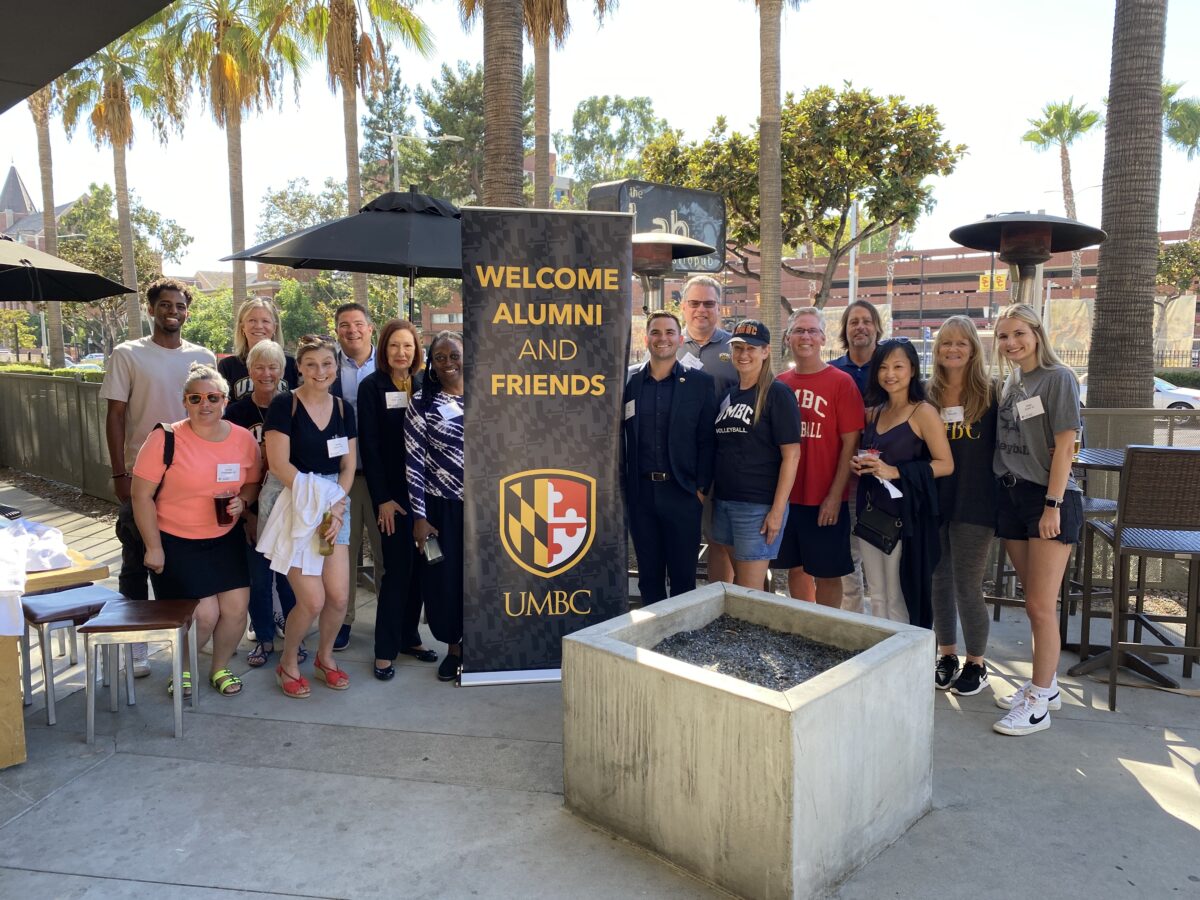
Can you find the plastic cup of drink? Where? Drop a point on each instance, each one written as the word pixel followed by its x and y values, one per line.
pixel 221 505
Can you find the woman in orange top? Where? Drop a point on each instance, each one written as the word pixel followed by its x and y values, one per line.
pixel 187 514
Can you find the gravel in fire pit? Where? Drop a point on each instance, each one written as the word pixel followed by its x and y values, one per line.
pixel 754 653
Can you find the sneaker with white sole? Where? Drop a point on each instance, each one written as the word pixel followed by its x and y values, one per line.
pixel 1028 715
pixel 1009 700
pixel 945 671
pixel 971 680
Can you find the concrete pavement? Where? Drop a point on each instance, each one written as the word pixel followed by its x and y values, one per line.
pixel 416 788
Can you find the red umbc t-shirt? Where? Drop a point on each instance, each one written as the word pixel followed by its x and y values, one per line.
pixel 830 406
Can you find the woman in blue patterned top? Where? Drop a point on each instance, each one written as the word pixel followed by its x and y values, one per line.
pixel 433 439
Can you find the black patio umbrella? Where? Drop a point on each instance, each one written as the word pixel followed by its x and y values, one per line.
pixel 29 274
pixel 408 234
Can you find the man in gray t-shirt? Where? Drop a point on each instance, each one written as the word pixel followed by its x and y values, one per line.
pixel 705 344
pixel 143 384
pixel 1035 406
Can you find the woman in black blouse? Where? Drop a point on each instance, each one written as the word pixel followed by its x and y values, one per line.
pixel 383 400
pixel 257 320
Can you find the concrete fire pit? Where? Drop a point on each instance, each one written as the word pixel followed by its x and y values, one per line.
pixel 765 793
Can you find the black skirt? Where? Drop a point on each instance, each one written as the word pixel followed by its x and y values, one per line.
pixel 195 568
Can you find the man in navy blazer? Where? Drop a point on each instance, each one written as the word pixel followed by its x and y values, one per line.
pixel 668 449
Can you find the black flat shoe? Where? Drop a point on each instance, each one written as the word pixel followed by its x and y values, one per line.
pixel 387 673
pixel 448 670
pixel 421 653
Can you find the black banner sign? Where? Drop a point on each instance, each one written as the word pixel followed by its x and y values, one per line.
pixel 671 209
pixel 546 300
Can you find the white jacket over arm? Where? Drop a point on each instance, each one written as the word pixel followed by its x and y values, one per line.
pixel 289 539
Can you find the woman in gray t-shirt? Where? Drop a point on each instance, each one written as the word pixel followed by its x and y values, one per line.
pixel 1040 510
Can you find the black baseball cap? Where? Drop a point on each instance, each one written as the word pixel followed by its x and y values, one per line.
pixel 751 331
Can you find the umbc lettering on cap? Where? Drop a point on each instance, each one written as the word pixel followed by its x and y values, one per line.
pixel 544 384
pixel 547 278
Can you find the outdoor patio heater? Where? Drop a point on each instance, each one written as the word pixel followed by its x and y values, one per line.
pixel 1025 241
pixel 653 253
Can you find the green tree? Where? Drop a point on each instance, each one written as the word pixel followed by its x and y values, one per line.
pixel 1177 274
pixel 107 87
pixel 454 104
pixel 503 108
pixel 17 331
pixel 606 140
pixel 98 248
pixel 295 206
pixel 387 114
pixel 836 146
pixel 236 51
pixel 1120 365
pixel 1060 126
pixel 208 321
pixel 1181 124
pixel 301 310
pixel 354 45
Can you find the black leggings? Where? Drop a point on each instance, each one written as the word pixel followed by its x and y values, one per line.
pixel 398 608
pixel 442 583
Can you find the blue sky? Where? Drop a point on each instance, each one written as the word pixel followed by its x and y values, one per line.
pixel 987 67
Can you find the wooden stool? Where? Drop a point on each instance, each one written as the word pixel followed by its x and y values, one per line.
pixel 59 608
pixel 127 621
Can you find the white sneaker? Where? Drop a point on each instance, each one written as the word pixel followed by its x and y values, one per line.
pixel 1009 701
pixel 141 661
pixel 1028 715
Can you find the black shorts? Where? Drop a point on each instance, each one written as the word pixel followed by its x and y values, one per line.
pixel 1019 510
pixel 195 568
pixel 823 550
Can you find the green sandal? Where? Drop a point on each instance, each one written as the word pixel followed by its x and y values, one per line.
pixel 187 685
pixel 226 683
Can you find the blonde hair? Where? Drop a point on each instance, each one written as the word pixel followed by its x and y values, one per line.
pixel 977 386
pixel 199 371
pixel 273 353
pixel 240 345
pixel 1046 357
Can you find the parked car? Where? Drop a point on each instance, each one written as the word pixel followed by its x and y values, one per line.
pixel 85 367
pixel 97 358
pixel 1166 395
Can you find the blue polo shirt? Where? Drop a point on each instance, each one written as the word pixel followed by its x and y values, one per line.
pixel 857 372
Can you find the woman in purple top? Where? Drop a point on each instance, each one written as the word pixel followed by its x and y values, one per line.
pixel 901 427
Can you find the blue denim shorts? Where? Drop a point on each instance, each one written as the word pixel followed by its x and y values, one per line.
pixel 737 524
pixel 270 493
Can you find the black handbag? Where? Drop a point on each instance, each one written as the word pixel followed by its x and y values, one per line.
pixel 877 528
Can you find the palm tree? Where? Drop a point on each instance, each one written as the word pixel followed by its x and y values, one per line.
pixel 236 51
pixel 1121 359
pixel 503 155
pixel 41 103
pixel 1059 126
pixel 1181 123
pixel 770 189
pixel 355 46
pixel 108 86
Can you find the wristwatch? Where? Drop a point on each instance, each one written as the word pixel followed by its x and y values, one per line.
pixel 1053 502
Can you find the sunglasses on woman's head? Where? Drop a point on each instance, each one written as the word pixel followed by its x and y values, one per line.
pixel 194 399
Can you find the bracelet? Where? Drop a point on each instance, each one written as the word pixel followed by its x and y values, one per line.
pixel 120 475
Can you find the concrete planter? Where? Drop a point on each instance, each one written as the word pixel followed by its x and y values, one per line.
pixel 765 793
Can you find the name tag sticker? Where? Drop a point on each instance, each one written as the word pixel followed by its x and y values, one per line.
pixel 229 472
pixel 1029 409
pixel 689 361
pixel 449 411
pixel 952 414
pixel 338 446
pixel 629 409
pixel 396 399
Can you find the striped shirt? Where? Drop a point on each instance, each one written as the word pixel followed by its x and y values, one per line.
pixel 434 442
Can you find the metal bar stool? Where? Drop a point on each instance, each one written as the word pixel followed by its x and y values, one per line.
pixel 56 610
pixel 127 621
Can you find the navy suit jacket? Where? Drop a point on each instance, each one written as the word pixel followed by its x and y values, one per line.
pixel 691 430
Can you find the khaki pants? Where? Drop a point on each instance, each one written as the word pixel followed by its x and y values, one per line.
pixel 362 516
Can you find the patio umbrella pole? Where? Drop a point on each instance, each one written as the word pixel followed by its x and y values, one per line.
pixel 412 287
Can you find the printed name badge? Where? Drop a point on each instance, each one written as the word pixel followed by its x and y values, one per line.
pixel 689 361
pixel 629 409
pixel 396 399
pixel 229 471
pixel 952 414
pixel 450 411
pixel 338 446
pixel 1031 408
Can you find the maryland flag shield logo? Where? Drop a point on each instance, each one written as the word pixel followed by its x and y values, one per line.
pixel 547 519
